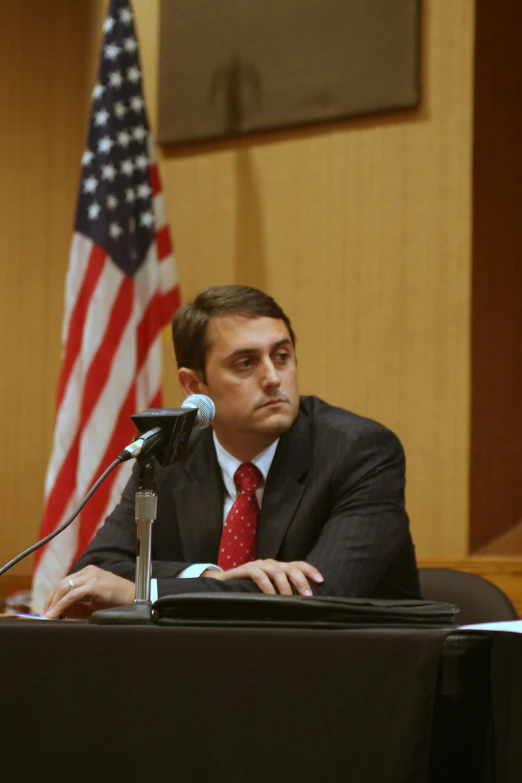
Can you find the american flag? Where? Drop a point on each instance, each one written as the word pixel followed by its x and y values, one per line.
pixel 121 290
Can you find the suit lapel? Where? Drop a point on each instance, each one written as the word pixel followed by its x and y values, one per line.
pixel 199 503
pixel 284 486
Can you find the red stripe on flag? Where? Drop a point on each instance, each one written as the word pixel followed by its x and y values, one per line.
pixel 148 329
pixel 156 316
pixel 123 433
pixel 101 364
pixel 169 304
pixel 74 336
pixel 163 243
pixel 157 400
pixel 155 179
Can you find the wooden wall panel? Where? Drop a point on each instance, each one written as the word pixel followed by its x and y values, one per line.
pixel 42 128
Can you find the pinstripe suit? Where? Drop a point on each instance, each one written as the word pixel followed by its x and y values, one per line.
pixel 334 496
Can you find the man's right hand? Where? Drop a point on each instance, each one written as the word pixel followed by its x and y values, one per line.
pixel 273 577
pixel 86 591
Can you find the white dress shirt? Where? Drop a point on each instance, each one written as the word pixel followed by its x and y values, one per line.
pixel 228 465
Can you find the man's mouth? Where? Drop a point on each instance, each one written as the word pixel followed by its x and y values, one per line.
pixel 270 403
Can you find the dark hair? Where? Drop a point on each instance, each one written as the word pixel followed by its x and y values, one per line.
pixel 190 324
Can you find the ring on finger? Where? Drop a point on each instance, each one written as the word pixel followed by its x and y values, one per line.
pixel 70 582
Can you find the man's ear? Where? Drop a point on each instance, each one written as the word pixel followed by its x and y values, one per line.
pixel 190 381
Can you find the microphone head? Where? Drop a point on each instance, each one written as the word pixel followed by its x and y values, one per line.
pixel 205 407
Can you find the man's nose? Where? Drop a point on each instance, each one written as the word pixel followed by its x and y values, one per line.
pixel 270 376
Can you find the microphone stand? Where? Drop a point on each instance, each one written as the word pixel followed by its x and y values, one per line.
pixel 145 505
pixel 145 508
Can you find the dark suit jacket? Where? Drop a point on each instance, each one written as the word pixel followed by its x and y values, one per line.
pixel 334 496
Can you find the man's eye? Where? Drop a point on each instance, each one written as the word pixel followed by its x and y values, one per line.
pixel 244 364
pixel 282 357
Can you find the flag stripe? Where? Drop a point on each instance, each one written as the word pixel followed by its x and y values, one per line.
pixel 72 346
pixel 98 313
pixel 155 179
pixel 163 243
pixel 122 434
pixel 148 328
pixel 99 370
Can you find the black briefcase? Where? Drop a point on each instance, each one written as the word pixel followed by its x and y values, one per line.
pixel 253 609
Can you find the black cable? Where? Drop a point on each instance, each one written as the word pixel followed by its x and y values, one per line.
pixel 121 458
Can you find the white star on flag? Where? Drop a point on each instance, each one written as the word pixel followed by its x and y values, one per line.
pixel 124 138
pixel 144 191
pixel 101 117
pixel 112 51
pixel 136 103
pixel 133 74
pixel 93 210
pixel 112 201
pixel 119 109
pixel 141 162
pixel 130 45
pixel 105 144
pixel 90 185
pixel 109 172
pixel 115 230
pixel 115 79
pixel 146 219
pixel 126 16
pixel 127 168
pixel 139 132
pixel 130 196
pixel 87 157
pixel 108 24
pixel 98 91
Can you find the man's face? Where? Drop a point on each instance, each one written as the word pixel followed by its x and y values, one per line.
pixel 251 377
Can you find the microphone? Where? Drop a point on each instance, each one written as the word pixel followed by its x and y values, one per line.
pixel 205 407
pixel 167 430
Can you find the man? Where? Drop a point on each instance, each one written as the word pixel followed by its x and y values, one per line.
pixel 285 494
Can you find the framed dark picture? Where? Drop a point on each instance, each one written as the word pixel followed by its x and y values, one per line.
pixel 229 67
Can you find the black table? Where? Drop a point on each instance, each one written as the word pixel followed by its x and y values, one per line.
pixel 98 703
pixel 506 696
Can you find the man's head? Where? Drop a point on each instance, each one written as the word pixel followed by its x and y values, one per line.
pixel 236 344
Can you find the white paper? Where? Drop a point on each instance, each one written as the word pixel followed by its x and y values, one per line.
pixel 512 626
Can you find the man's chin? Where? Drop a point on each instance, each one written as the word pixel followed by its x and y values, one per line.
pixel 276 420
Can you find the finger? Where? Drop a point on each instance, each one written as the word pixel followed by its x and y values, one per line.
pixel 280 580
pixel 73 596
pixel 299 580
pixel 309 570
pixel 262 581
pixel 62 588
pixel 49 600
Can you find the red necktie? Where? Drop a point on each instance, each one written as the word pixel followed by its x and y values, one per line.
pixel 238 540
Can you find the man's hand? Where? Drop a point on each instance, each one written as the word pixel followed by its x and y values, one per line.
pixel 272 576
pixel 90 589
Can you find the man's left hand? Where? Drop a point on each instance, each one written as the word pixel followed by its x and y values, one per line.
pixel 90 589
pixel 273 577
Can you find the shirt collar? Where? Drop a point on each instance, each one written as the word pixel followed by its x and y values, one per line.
pixel 230 464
